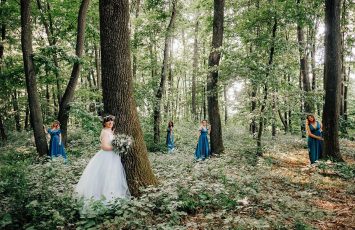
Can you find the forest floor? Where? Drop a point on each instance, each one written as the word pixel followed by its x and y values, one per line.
pixel 235 190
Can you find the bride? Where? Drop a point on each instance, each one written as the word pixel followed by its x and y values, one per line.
pixel 104 177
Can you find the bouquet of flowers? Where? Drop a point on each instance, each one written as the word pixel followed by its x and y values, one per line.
pixel 121 143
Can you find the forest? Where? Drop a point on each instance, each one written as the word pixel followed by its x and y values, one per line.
pixel 241 114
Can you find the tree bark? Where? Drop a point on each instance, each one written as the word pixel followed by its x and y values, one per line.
pixel 225 104
pixel 194 72
pixel 212 79
pixel 332 80
pixel 117 85
pixel 33 97
pixel 164 69
pixel 68 96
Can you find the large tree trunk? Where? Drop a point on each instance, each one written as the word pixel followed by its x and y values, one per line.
pixel 332 80
pixel 212 79
pixel 164 69
pixel 33 97
pixel 68 96
pixel 117 88
pixel 194 73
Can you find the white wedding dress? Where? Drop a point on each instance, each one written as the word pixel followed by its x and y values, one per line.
pixel 104 176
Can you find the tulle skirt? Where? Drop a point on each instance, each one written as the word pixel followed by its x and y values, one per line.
pixel 104 177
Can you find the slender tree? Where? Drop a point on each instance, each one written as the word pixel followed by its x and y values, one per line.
pixel 194 72
pixel 332 80
pixel 164 70
pixel 68 96
pixel 212 79
pixel 263 103
pixel 33 97
pixel 306 85
pixel 117 86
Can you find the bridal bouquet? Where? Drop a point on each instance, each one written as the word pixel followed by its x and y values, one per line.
pixel 121 143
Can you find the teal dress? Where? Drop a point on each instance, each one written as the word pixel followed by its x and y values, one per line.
pixel 170 140
pixel 315 147
pixel 56 149
pixel 203 149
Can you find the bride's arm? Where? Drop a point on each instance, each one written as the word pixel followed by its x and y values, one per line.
pixel 105 142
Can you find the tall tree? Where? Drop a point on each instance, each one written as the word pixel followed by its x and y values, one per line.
pixel 212 78
pixel 332 80
pixel 117 86
pixel 263 104
pixel 33 97
pixel 164 70
pixel 68 96
pixel 306 85
pixel 194 72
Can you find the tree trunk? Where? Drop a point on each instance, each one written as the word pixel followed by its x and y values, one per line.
pixel 33 97
pixel 68 96
pixel 2 129
pixel 347 79
pixel 259 151
pixel 332 80
pixel 194 73
pixel 117 84
pixel 253 129
pixel 212 79
pixel 16 111
pixel 27 118
pixel 97 66
pixel 225 104
pixel 164 69
pixel 308 105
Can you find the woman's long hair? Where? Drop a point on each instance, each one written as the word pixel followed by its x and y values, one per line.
pixel 170 124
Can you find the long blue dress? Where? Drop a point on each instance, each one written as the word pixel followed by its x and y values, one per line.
pixel 314 145
pixel 56 150
pixel 170 140
pixel 203 149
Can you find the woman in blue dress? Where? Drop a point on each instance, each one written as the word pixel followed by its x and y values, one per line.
pixel 203 149
pixel 56 147
pixel 170 137
pixel 315 139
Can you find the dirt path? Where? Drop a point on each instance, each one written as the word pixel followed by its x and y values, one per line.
pixel 333 194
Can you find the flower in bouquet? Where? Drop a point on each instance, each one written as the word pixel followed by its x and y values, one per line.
pixel 121 143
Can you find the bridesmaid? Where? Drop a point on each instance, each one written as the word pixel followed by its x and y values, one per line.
pixel 314 132
pixel 203 150
pixel 170 137
pixel 56 147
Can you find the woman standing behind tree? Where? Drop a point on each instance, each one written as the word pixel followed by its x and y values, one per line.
pixel 314 133
pixel 56 147
pixel 170 137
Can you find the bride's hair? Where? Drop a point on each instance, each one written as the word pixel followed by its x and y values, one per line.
pixel 107 119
